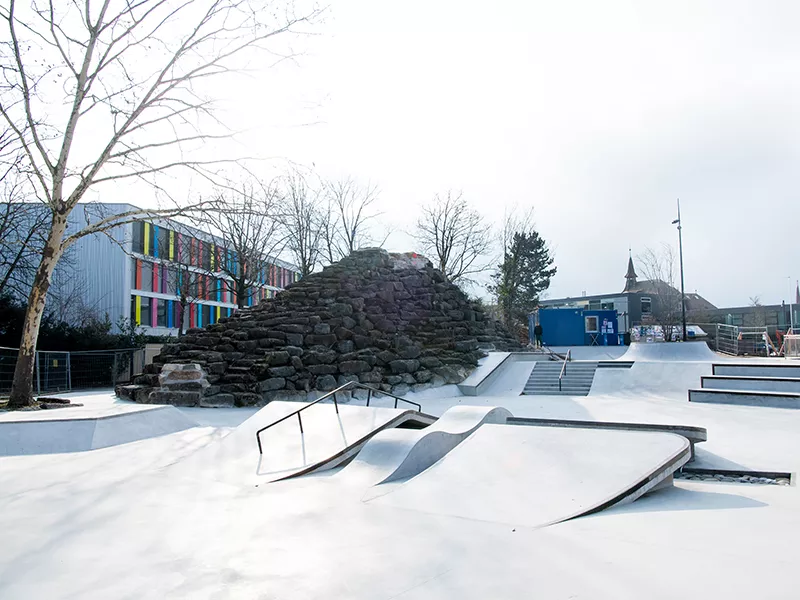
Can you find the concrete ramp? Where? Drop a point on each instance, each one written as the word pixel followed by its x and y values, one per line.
pixel 395 454
pixel 328 440
pixel 80 429
pixel 670 351
pixel 533 476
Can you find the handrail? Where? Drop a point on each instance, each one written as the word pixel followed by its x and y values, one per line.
pixel 564 368
pixel 349 384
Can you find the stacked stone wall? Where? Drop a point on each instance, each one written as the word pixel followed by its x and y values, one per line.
pixel 390 321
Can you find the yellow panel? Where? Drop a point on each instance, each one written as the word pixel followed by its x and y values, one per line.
pixel 218 311
pixel 138 310
pixel 171 245
pixel 213 252
pixel 146 238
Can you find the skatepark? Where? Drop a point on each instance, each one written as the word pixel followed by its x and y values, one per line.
pixel 493 488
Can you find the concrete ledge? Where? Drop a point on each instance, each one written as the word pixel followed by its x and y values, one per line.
pixel 27 435
pixel 750 383
pixel 695 435
pixel 756 369
pixel 487 372
pixel 746 398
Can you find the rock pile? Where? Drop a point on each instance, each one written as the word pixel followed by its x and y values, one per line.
pixel 387 320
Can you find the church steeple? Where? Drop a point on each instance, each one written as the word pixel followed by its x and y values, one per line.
pixel 630 276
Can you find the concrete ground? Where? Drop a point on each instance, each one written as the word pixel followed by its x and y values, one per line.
pixel 129 521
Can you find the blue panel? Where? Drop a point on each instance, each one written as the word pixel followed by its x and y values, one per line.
pixel 562 326
pixel 169 313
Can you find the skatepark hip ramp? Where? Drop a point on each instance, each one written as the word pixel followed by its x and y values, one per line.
pixel 395 454
pixel 531 476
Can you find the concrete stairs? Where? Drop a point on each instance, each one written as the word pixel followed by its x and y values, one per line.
pixel 577 380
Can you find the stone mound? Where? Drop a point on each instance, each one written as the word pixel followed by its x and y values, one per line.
pixel 390 321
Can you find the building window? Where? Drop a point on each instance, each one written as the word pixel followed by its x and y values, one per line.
pixel 138 237
pixel 206 250
pixel 591 324
pixel 146 278
pixel 149 240
pixel 146 311
pixel 647 306
pixel 163 242
pixel 161 313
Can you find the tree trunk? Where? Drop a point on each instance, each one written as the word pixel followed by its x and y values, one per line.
pixel 22 386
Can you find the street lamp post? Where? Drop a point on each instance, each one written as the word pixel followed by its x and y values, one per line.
pixel 680 251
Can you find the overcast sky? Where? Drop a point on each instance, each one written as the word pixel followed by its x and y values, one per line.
pixel 597 114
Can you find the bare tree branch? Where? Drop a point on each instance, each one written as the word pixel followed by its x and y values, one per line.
pixel 249 226
pixel 456 235
pixel 350 215
pixel 302 214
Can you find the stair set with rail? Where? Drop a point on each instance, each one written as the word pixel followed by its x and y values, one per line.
pixel 561 378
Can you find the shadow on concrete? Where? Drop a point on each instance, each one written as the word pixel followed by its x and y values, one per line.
pixel 708 460
pixel 677 499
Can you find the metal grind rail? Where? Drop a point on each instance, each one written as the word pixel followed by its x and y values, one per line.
pixel 564 368
pixel 332 393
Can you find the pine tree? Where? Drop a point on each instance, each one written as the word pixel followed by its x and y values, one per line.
pixel 523 275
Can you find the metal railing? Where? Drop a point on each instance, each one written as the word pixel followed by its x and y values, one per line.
pixel 567 358
pixel 332 394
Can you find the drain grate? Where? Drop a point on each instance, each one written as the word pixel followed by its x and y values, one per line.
pixel 728 476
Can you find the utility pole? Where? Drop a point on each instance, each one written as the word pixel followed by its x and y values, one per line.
pixel 680 251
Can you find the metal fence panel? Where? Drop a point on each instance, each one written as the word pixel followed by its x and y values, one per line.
pixel 52 372
pixel 728 339
pixel 67 371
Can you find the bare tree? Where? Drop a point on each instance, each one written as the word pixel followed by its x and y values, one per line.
pixel 660 268
pixel 303 217
pixel 249 226
pixel 120 80
pixel 455 235
pixel 350 216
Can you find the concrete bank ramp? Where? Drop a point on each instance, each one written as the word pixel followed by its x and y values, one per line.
pixel 83 428
pixel 328 440
pixel 534 476
pixel 670 351
pixel 395 454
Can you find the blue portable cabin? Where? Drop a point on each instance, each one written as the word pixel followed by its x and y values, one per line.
pixel 576 327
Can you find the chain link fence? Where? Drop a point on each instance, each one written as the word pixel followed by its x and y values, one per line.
pixel 68 371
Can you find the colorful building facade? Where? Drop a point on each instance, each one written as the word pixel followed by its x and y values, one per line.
pixel 140 271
